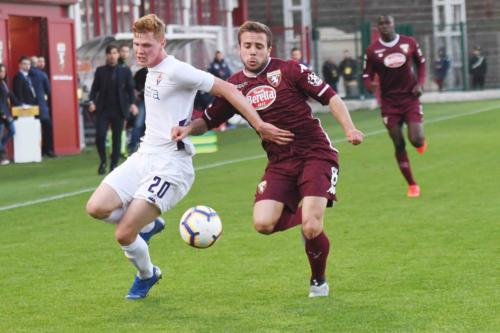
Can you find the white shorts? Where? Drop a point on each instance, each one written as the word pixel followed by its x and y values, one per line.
pixel 162 179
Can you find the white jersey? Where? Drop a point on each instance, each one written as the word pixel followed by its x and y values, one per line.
pixel 169 94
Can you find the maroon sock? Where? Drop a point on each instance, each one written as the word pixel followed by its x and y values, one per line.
pixel 288 219
pixel 317 252
pixel 404 166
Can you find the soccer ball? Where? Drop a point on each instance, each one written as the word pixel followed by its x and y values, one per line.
pixel 200 226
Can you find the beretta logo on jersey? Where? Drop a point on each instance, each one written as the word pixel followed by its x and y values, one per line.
pixel 394 60
pixel 261 97
pixel 274 78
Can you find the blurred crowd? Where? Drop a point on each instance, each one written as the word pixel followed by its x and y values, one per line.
pixel 30 87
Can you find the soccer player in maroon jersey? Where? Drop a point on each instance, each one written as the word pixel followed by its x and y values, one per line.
pixel 392 58
pixel 300 178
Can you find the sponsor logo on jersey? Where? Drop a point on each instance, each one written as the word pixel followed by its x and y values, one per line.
pixel 262 186
pixel 274 78
pixel 261 97
pixel 151 93
pixel 241 85
pixel 405 47
pixel 395 60
pixel 314 80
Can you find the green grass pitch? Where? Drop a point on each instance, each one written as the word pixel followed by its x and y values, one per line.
pixel 396 264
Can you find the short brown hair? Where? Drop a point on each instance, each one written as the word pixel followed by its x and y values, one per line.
pixel 254 26
pixel 150 23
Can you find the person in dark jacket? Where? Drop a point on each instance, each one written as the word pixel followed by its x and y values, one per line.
pixel 7 128
pixel 111 98
pixel 218 67
pixel 23 85
pixel 477 68
pixel 41 85
pixel 441 67
pixel 331 73
pixel 348 68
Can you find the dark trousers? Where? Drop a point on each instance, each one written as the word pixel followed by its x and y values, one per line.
pixel 103 122
pixel 47 136
pixel 478 81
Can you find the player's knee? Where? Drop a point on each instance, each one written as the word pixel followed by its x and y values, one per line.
pixel 311 227
pixel 263 226
pixel 124 236
pixel 96 210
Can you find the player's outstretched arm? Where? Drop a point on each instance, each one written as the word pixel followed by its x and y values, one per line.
pixel 267 131
pixel 341 114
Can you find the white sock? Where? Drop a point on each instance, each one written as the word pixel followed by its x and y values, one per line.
pixel 138 254
pixel 148 227
pixel 115 216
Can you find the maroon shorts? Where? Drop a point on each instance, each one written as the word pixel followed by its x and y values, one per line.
pixel 289 180
pixel 397 113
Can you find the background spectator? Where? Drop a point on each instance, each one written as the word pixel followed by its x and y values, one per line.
pixel 41 86
pixel 23 86
pixel 124 52
pixel 477 68
pixel 7 128
pixel 111 97
pixel 441 66
pixel 331 73
pixel 348 69
pixel 296 54
pixel 218 67
pixel 41 63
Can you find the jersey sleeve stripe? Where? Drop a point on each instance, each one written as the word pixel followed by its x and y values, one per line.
pixel 323 90
pixel 206 115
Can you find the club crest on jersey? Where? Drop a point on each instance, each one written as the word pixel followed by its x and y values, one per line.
pixel 405 47
pixel 261 97
pixel 261 188
pixel 159 78
pixel 394 60
pixel 314 80
pixel 274 78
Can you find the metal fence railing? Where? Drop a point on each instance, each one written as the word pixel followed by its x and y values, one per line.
pixel 449 50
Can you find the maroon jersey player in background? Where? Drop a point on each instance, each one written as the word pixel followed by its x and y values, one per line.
pixel 392 58
pixel 300 178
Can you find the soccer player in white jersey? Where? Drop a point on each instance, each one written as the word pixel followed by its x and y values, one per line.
pixel 160 173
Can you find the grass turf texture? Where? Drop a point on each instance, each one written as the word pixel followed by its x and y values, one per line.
pixel 396 264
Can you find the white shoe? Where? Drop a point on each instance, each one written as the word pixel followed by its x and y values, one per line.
pixel 4 162
pixel 319 291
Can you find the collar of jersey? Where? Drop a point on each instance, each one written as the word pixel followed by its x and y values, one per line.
pixel 167 58
pixel 251 75
pixel 391 43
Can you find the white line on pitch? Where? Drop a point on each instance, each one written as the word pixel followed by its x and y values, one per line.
pixel 233 161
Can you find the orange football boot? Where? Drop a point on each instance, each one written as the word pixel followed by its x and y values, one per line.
pixel 422 148
pixel 413 191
